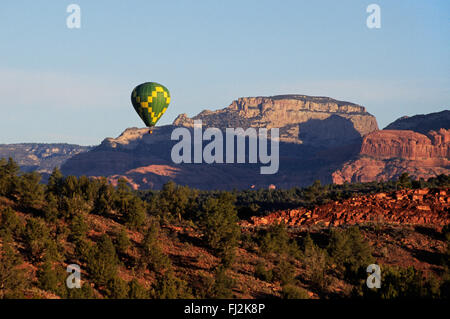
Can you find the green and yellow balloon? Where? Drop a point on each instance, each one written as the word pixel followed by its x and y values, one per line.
pixel 150 100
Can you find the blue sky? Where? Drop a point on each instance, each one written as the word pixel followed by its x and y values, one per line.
pixel 73 85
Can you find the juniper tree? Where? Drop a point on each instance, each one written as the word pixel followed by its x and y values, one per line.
pixel 152 255
pixel 136 290
pixel 102 261
pixel 349 251
pixel 122 241
pixel 219 225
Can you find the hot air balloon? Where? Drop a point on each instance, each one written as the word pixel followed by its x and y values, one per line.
pixel 150 100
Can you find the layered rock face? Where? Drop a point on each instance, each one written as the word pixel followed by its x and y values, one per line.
pixel 320 138
pixel 317 135
pixel 301 119
pixel 387 154
pixel 407 144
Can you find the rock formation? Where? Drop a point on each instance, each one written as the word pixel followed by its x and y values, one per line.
pixel 301 118
pixel 317 135
pixel 320 138
pixel 387 154
pixel 416 207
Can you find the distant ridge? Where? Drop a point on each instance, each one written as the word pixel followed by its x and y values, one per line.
pixel 41 157
pixel 422 123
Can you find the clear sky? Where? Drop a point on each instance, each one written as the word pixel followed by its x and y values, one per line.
pixel 73 85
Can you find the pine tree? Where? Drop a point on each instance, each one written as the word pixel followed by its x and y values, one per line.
pixel 136 290
pixel 219 225
pixel 223 284
pixel 28 190
pixel 51 208
pixel 117 288
pixel 103 204
pixel 315 260
pixel 168 286
pixel 350 252
pixel 103 261
pixel 55 182
pixel 78 228
pixel 8 177
pixel 122 241
pixel 152 255
pixel 133 211
pixel 47 277
pixel 10 222
pixel 35 237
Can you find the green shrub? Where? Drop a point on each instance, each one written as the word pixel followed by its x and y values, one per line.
pixel 10 222
pixel 174 201
pixel 133 212
pixel 85 292
pixel 122 241
pixel 397 282
pixel 51 208
pixel 78 228
pixel 284 272
pixel 350 252
pixel 13 280
pixel 262 273
pixel 48 278
pixel 276 240
pixel 223 285
pixel 8 177
pixel 102 261
pixel 152 255
pixel 136 290
pixel 168 286
pixel 35 237
pixel 28 190
pixel 219 222
pixel 315 261
pixel 116 288
pixel 290 291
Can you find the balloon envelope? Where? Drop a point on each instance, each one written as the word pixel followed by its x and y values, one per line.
pixel 150 100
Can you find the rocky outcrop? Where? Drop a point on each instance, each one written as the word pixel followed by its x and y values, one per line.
pixel 407 144
pixel 416 207
pixel 387 154
pixel 422 123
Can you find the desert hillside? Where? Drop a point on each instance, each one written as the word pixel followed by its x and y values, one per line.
pixel 312 242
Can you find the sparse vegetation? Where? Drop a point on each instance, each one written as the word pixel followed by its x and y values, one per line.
pixel 184 243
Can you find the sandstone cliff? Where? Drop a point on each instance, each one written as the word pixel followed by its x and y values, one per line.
pixel 301 119
pixel 387 154
pixel 320 138
pixel 317 135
